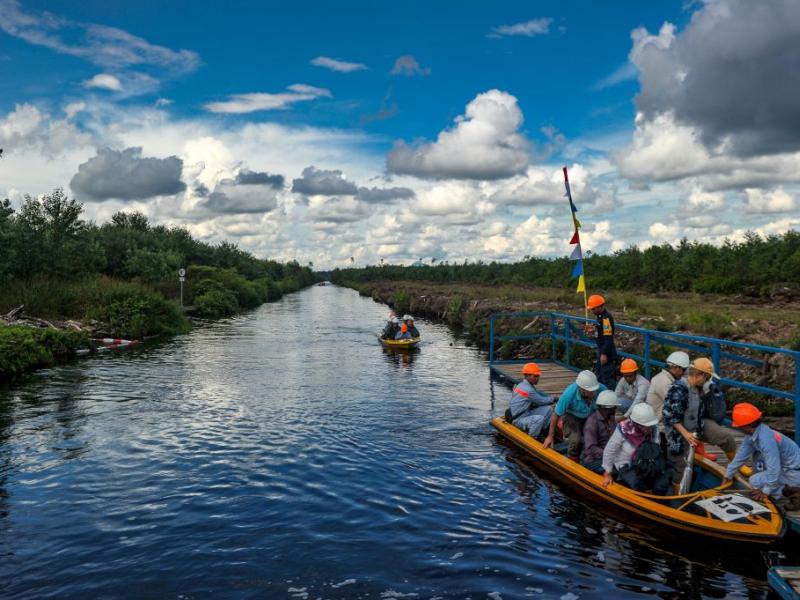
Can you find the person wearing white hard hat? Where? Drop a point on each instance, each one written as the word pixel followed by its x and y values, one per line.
pixel 633 455
pixel 574 406
pixel 676 366
pixel 598 429
pixel 391 328
pixel 409 321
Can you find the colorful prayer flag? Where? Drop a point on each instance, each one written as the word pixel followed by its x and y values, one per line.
pixel 576 239
pixel 581 285
pixel 577 254
pixel 578 270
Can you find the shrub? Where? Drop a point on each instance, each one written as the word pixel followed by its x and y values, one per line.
pixel 401 302
pixel 25 348
pixel 216 303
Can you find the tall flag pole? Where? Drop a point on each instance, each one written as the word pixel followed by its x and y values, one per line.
pixel 577 253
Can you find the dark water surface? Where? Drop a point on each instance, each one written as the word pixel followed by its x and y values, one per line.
pixel 283 454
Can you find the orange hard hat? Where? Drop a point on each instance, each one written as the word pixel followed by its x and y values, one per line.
pixel 595 300
pixel 628 366
pixel 531 369
pixel 745 413
pixel 404 328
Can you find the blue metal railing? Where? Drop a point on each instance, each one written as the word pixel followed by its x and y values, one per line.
pixel 568 329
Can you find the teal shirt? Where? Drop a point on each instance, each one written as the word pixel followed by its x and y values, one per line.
pixel 571 402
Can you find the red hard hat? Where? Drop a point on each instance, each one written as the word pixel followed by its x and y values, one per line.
pixel 628 366
pixel 531 369
pixel 595 300
pixel 744 414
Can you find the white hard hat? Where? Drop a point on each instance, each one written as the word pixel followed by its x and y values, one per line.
pixel 587 380
pixel 644 415
pixel 679 359
pixel 395 320
pixel 607 398
pixel 407 317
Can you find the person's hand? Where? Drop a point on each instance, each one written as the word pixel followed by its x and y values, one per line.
pixel 692 439
pixel 548 442
pixel 759 495
pixel 607 480
pixel 603 359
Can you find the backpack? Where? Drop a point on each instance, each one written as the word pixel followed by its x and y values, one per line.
pixel 715 403
pixel 648 460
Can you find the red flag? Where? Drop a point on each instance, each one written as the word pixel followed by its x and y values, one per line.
pixel 575 239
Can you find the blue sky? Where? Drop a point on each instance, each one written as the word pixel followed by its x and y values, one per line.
pixel 427 130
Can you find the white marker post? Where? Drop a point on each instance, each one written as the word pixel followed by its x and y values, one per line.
pixel 181 278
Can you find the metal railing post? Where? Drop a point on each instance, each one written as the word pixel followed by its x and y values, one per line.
pixel 567 339
pixel 797 399
pixel 491 340
pixel 715 356
pixel 646 346
pixel 553 348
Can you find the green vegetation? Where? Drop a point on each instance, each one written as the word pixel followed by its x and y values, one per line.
pixel 121 275
pixel 756 267
pixel 25 348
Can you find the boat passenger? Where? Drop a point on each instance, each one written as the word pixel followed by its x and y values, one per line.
pixel 685 410
pixel 633 455
pixel 391 328
pixel 575 405
pixel 677 363
pixel 530 409
pixel 606 351
pixel 402 333
pixel 598 429
pixel 776 458
pixel 632 388
pixel 409 321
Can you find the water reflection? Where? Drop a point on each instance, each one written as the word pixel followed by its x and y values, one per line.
pixel 283 454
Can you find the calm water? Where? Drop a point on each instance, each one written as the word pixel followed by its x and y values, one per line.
pixel 283 454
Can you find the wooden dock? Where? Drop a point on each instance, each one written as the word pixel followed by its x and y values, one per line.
pixel 554 380
pixel 785 581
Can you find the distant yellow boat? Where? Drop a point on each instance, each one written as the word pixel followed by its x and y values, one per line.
pixel 400 344
pixel 712 509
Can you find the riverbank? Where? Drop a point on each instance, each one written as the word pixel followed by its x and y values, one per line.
pixel 469 307
pixel 53 321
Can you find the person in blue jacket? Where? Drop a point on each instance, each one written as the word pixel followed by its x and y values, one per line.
pixel 575 405
pixel 776 458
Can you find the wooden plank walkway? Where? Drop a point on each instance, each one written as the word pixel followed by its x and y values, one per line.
pixel 555 379
pixel 785 581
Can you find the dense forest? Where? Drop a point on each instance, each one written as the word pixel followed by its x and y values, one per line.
pixel 123 274
pixel 757 266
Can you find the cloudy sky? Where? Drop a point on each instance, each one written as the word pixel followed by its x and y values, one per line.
pixel 320 131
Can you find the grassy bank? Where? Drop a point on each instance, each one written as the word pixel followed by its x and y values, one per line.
pixel 469 307
pixel 25 348
pixel 119 279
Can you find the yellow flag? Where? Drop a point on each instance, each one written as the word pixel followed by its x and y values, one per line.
pixel 575 221
pixel 581 285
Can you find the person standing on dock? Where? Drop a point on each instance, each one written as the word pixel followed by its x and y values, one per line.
pixel 685 418
pixel 632 388
pixel 530 409
pixel 575 405
pixel 776 458
pixel 676 366
pixel 606 351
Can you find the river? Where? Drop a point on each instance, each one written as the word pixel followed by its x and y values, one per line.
pixel 284 454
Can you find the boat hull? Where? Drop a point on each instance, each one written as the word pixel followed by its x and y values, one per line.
pixel 669 511
pixel 400 344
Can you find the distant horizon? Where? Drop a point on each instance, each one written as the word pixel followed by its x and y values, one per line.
pixel 321 132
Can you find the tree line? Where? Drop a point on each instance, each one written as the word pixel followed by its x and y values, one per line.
pixel 756 266
pixel 124 271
